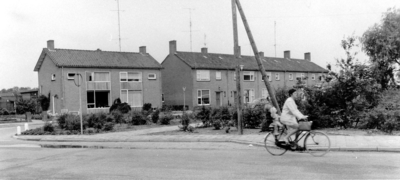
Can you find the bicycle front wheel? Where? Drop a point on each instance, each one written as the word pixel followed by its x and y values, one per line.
pixel 270 145
pixel 317 143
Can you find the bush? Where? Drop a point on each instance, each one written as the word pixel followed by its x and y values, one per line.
pixel 146 107
pixel 108 126
pixel 122 107
pixel 252 117
pixel 71 122
pixel 24 106
pixel 155 116
pixel 89 131
pixel 36 131
pixel 44 102
pixel 185 121
pixel 138 118
pixel 61 120
pixel 118 117
pixel 166 118
pixel 48 127
pixel 96 121
pixel 4 111
pixel 204 115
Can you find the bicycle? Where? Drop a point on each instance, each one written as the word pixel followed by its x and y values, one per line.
pixel 316 143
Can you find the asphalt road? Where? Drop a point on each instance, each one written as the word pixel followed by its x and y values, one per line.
pixel 28 160
pixel 179 161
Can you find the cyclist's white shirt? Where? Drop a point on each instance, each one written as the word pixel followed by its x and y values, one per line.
pixel 290 112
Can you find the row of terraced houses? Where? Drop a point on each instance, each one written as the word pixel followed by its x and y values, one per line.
pixel 95 78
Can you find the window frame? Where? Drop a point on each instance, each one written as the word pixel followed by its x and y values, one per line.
pixel 218 75
pixel 199 78
pixel 209 97
pixel 94 91
pixel 250 73
pixel 53 77
pixel 251 97
pixel 277 77
pixel 155 76
pixel 127 76
pixel 69 77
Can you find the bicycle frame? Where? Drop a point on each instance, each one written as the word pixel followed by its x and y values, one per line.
pixel 299 135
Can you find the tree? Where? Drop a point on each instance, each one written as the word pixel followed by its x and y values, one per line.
pixel 381 42
pixel 354 88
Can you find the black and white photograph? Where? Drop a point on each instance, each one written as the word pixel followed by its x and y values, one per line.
pixel 199 89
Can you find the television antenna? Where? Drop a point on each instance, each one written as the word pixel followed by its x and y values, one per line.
pixel 190 26
pixel 119 26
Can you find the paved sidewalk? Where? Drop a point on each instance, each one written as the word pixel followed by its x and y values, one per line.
pixel 338 142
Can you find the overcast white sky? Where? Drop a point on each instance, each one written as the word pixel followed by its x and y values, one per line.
pixel 315 26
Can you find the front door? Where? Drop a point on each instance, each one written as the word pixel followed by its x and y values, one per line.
pixel 218 99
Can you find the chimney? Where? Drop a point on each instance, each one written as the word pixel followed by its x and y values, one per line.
pixel 261 54
pixel 286 54
pixel 307 56
pixel 142 49
pixel 204 50
pixel 50 44
pixel 172 47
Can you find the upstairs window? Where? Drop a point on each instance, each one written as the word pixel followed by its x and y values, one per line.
pixel 277 76
pixel 290 77
pixel 152 76
pixel 218 75
pixel 313 77
pixel 130 76
pixel 203 75
pixel 53 77
pixel 248 75
pixel 71 76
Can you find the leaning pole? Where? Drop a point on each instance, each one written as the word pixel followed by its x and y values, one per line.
pixel 257 56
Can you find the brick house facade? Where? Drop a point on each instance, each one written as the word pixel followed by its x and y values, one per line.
pixel 209 78
pixel 102 76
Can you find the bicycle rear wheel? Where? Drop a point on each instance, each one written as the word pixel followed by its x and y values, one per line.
pixel 317 143
pixel 270 145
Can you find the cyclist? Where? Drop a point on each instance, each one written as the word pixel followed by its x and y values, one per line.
pixel 289 115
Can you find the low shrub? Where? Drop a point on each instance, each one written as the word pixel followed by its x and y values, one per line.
pixel 4 111
pixel 155 116
pixel 138 118
pixel 166 118
pixel 185 121
pixel 204 115
pixel 48 127
pixel 89 131
pixel 118 105
pixel 146 107
pixel 36 131
pixel 108 126
pixel 252 117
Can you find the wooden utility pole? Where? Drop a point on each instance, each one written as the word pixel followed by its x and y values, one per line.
pixel 236 57
pixel 257 56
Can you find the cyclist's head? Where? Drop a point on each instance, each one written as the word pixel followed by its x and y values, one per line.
pixel 291 91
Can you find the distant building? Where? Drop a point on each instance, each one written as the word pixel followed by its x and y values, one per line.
pixel 29 94
pixel 209 78
pixel 103 76
pixel 7 100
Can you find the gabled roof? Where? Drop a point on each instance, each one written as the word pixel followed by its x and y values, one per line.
pixel 98 59
pixel 226 61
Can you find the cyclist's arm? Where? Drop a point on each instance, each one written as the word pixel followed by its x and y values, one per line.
pixel 293 109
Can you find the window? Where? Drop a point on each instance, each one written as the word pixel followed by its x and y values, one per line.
pixel 291 77
pixel 71 76
pixel 53 77
pixel 248 95
pixel 218 75
pixel 152 76
pixel 131 88
pixel 98 89
pixel 303 76
pixel 264 93
pixel 298 76
pixel 234 75
pixel 248 75
pixel 203 75
pixel 203 97
pixel 313 77
pixel 130 76
pixel 98 99
pixel 277 76
pixel 132 97
pixel 268 75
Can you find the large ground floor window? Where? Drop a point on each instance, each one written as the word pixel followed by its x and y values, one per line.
pixel 249 95
pixel 98 99
pixel 133 98
pixel 203 97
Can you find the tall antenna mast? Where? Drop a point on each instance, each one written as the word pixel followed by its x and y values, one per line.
pixel 205 40
pixel 119 28
pixel 275 36
pixel 190 26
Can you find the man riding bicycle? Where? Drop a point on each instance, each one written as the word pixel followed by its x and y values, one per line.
pixel 289 115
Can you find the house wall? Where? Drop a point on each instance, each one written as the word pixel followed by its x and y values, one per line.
pixel 176 75
pixel 151 88
pixel 46 85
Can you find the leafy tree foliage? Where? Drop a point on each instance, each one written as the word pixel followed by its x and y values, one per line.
pixel 381 42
